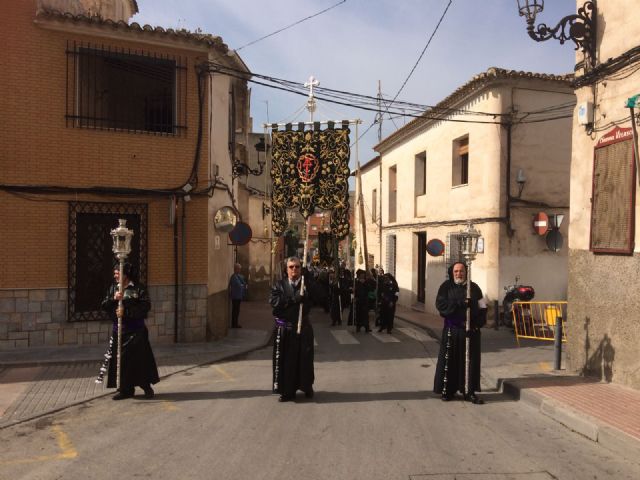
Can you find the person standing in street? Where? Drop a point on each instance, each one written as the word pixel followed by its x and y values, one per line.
pixel 292 351
pixel 452 304
pixel 238 288
pixel 388 290
pixel 361 301
pixel 137 363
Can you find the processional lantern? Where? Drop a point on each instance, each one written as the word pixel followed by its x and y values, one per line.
pixel 469 240
pixel 121 239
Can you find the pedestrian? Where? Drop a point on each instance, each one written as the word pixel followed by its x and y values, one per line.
pixel 335 299
pixel 238 289
pixel 137 363
pixel 452 303
pixel 388 290
pixel 361 301
pixel 292 351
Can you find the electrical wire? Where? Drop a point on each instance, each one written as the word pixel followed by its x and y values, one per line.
pixel 292 25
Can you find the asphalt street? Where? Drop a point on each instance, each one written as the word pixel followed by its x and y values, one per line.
pixel 373 417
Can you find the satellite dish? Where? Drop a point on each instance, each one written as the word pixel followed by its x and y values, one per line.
pixel 554 240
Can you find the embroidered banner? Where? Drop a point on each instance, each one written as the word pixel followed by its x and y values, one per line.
pixel 311 170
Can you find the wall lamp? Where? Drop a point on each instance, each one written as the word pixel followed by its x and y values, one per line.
pixel 239 168
pixel 579 27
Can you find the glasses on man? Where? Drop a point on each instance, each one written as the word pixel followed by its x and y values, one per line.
pixel 293 266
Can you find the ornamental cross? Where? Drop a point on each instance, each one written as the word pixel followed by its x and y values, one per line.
pixel 311 103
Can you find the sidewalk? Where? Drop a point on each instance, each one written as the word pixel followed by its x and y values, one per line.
pixel 603 412
pixel 39 381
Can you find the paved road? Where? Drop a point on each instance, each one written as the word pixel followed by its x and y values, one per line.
pixel 373 417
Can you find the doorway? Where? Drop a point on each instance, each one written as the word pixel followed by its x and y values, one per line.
pixel 422 266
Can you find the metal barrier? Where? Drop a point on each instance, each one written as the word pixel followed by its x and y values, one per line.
pixel 537 320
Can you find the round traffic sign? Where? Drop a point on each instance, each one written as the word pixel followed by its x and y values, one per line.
pixel 435 247
pixel 241 234
pixel 541 223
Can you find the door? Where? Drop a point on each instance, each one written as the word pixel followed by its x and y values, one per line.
pixel 422 266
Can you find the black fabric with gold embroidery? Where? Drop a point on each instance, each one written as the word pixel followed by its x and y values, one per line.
pixel 311 170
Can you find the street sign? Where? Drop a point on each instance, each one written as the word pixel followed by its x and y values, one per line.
pixel 241 234
pixel 435 247
pixel 541 223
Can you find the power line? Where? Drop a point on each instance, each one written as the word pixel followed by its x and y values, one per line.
pixel 292 25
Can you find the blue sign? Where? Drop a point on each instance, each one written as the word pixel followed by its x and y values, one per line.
pixel 241 234
pixel 435 247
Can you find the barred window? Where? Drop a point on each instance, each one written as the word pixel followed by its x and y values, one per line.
pixel 120 89
pixel 612 207
pixel 91 260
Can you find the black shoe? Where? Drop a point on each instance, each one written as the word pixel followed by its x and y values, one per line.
pixel 380 330
pixel 368 330
pixel 285 398
pixel 309 393
pixel 447 398
pixel 357 330
pixel 148 392
pixel 122 395
pixel 388 331
pixel 473 398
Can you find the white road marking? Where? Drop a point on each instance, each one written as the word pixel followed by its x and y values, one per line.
pixel 344 337
pixel 385 337
pixel 415 333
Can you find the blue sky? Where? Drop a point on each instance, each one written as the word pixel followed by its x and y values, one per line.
pixel 359 42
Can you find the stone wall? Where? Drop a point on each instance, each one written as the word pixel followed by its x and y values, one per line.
pixel 38 317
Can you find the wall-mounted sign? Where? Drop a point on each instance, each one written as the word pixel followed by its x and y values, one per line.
pixel 541 223
pixel 241 234
pixel 225 219
pixel 435 247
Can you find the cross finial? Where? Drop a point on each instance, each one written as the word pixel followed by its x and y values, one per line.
pixel 311 102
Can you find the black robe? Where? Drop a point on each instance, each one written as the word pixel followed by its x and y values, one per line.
pixel 292 353
pixel 450 370
pixel 137 363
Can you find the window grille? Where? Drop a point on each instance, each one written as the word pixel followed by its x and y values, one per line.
pixel 453 252
pixel 612 208
pixel 391 255
pixel 124 89
pixel 91 259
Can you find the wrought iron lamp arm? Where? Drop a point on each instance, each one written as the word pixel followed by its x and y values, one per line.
pixel 579 27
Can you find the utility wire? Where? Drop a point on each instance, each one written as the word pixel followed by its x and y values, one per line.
pixel 292 25
pixel 423 51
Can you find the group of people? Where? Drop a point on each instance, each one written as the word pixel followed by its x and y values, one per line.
pixel 291 299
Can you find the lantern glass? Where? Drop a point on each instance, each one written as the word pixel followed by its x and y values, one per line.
pixel 469 240
pixel 530 8
pixel 122 238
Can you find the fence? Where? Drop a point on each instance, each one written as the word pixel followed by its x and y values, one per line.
pixel 537 320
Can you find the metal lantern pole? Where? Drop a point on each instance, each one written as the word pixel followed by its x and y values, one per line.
pixel 469 237
pixel 121 247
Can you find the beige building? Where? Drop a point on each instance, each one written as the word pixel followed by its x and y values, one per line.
pixel 493 152
pixel 604 251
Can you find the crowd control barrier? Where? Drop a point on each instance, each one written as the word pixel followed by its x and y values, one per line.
pixel 537 320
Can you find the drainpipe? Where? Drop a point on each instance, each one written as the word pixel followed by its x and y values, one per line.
pixel 175 273
pixel 184 266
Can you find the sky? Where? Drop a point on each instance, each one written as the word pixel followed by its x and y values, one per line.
pixel 360 42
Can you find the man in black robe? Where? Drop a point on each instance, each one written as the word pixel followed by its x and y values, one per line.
pixel 292 352
pixel 452 303
pixel 361 301
pixel 388 292
pixel 137 363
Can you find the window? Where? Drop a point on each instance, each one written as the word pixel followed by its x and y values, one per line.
pixel 391 255
pixel 612 207
pixel 420 162
pixel 453 251
pixel 460 167
pixel 91 260
pixel 393 192
pixel 374 206
pixel 124 90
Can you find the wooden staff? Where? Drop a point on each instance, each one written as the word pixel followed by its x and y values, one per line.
pixel 304 259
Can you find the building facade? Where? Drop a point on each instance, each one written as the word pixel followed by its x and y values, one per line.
pixel 604 256
pixel 110 120
pixel 490 153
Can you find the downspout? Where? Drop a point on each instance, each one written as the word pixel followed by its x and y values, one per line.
pixel 509 127
pixel 184 266
pixel 176 273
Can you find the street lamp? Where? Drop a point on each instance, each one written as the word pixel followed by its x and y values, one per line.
pixel 121 237
pixel 469 240
pixel 579 27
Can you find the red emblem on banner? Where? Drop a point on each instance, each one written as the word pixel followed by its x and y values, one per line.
pixel 308 166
